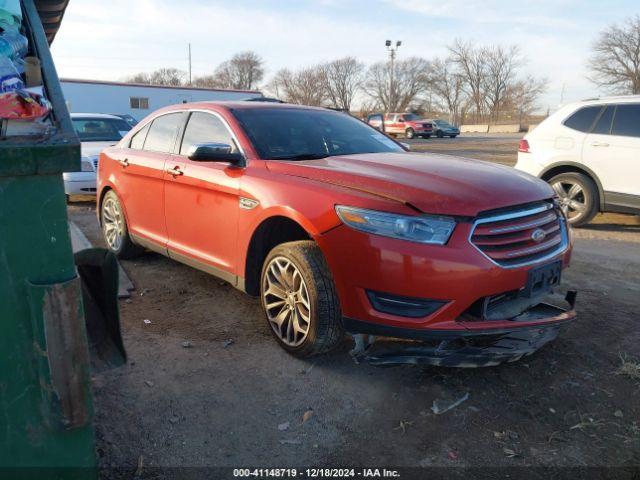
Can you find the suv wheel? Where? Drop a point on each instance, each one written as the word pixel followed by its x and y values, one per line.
pixel 409 133
pixel 578 197
pixel 299 299
pixel 114 228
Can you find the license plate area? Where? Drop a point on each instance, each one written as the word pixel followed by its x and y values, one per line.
pixel 543 279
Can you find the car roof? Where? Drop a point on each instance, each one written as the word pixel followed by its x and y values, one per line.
pixel 606 100
pixel 80 116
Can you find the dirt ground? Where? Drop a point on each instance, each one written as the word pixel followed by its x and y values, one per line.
pixel 235 399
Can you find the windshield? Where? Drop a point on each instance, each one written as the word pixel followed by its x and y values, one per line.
pixel 100 129
pixel 442 123
pixel 301 134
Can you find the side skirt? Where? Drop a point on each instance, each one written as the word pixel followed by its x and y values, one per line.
pixel 235 280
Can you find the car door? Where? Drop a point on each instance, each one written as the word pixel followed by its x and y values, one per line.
pixel 141 179
pixel 612 149
pixel 202 200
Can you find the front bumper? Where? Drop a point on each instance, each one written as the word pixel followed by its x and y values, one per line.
pixel 481 348
pixel 457 274
pixel 79 183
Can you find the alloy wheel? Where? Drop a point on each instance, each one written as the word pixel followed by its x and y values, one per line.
pixel 573 199
pixel 286 301
pixel 112 223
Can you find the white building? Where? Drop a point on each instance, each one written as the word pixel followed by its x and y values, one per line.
pixel 136 99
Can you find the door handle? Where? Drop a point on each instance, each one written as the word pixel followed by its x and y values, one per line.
pixel 124 163
pixel 599 144
pixel 175 171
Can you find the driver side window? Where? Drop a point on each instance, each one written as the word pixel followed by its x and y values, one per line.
pixel 205 128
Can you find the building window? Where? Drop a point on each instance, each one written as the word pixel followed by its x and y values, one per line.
pixel 139 103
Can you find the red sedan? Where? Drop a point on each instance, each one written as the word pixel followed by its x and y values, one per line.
pixel 338 229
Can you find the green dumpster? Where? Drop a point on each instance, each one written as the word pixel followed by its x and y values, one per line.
pixel 45 395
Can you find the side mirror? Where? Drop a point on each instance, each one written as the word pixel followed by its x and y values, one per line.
pixel 376 121
pixel 214 152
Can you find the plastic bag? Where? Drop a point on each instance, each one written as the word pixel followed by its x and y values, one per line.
pixel 10 12
pixel 23 105
pixel 10 78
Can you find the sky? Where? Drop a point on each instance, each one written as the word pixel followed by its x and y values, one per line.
pixel 111 40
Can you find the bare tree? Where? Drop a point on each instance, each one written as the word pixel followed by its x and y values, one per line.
pixel 472 63
pixel 305 86
pixel 500 70
pixel 615 61
pixel 205 81
pixel 522 95
pixel 446 84
pixel 244 71
pixel 341 81
pixel 164 76
pixel 395 93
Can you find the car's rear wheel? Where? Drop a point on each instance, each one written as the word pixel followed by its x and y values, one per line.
pixel 114 228
pixel 409 133
pixel 299 299
pixel 578 197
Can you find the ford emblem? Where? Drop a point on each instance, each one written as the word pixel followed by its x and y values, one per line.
pixel 538 235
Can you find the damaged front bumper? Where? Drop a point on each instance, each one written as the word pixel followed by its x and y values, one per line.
pixel 469 348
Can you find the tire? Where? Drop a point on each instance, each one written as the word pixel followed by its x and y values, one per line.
pixel 409 133
pixel 439 134
pixel 324 326
pixel 112 214
pixel 576 189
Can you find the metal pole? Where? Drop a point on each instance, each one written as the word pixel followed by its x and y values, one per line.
pixel 392 104
pixel 189 64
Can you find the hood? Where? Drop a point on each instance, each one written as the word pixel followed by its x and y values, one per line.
pixel 437 184
pixel 90 149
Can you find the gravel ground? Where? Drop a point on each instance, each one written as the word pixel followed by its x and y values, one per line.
pixel 233 398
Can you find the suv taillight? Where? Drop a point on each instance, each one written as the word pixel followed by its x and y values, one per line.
pixel 524 146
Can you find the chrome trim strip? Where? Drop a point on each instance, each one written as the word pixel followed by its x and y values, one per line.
pixel 564 245
pixel 523 226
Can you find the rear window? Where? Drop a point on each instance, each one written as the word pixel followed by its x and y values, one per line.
pixel 626 122
pixel 583 119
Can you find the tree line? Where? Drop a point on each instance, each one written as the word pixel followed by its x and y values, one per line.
pixel 472 83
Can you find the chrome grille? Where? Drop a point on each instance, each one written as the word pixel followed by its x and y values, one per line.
pixel 521 236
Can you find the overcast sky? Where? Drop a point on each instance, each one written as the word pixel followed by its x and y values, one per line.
pixel 111 40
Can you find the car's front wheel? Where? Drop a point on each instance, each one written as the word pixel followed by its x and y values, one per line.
pixel 409 132
pixel 114 228
pixel 299 299
pixel 578 197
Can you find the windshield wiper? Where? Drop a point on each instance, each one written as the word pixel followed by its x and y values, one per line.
pixel 302 156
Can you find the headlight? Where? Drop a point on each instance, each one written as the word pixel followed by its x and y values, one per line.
pixel 86 165
pixel 421 229
pixel 89 163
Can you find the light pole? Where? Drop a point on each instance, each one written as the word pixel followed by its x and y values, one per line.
pixel 392 57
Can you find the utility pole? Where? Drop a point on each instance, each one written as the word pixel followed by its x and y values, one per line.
pixel 189 64
pixel 392 57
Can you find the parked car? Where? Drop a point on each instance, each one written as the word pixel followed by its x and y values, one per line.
pixel 96 131
pixel 442 129
pixel 590 154
pixel 408 124
pixel 130 119
pixel 336 228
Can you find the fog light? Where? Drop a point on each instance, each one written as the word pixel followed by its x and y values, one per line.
pixel 403 306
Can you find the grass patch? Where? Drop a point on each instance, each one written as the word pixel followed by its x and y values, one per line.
pixel 629 368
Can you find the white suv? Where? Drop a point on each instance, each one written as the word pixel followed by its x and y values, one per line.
pixel 590 154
